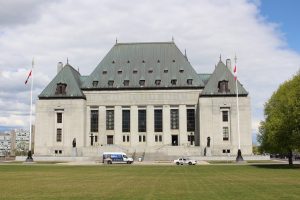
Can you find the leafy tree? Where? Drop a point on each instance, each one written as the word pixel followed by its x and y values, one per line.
pixel 280 132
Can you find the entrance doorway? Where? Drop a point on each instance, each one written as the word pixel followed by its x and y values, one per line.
pixel 174 140
pixel 110 139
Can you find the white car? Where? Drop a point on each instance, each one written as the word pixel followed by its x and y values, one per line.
pixel 185 161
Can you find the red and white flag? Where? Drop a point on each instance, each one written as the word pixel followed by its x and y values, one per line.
pixel 235 73
pixel 28 76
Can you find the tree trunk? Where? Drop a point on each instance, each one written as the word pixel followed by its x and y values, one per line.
pixel 290 156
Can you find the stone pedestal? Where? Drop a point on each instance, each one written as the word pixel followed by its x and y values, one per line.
pixel 74 152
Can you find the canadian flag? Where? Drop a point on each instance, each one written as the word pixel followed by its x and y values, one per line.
pixel 235 73
pixel 28 76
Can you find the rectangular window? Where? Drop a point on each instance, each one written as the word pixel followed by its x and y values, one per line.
pixel 158 125
pixel 59 118
pixel 58 135
pixel 110 119
pixel 142 138
pixel 126 121
pixel 94 120
pixel 158 138
pixel 225 134
pixel 174 114
pixel 225 116
pixel 190 119
pixel 142 120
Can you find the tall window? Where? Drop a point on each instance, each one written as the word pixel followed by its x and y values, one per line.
pixel 225 134
pixel 142 121
pixel 59 118
pixel 174 114
pixel 190 118
pixel 126 121
pixel 94 120
pixel 58 135
pixel 225 116
pixel 158 125
pixel 110 119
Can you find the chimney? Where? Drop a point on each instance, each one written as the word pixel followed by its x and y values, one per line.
pixel 228 64
pixel 59 66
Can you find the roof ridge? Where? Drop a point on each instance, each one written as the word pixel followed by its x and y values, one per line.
pixel 134 43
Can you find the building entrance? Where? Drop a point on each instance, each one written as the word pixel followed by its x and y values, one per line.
pixel 174 140
pixel 110 139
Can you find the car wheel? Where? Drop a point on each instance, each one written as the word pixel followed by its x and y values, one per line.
pixel 177 163
pixel 109 162
pixel 190 163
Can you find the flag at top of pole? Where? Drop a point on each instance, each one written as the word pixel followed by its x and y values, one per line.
pixel 30 73
pixel 28 76
pixel 235 72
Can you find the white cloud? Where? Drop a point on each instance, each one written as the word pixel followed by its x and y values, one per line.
pixel 84 31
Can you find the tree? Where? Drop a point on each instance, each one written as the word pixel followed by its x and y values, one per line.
pixel 280 132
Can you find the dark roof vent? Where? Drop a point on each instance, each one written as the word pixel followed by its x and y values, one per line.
pixel 128 61
pixel 113 62
pixel 143 61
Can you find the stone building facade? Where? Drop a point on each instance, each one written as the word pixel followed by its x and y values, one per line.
pixel 142 98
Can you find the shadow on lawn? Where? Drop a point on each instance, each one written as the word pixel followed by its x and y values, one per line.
pixel 277 166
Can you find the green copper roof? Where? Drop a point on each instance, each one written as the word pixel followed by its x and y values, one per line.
pixel 69 76
pixel 137 63
pixel 222 73
pixel 204 77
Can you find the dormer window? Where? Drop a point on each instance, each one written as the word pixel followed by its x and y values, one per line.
pixel 189 81
pixel 173 81
pixel 134 71
pixel 181 70
pixel 142 82
pixel 143 61
pixel 223 87
pixel 126 82
pixel 128 61
pixel 158 61
pixel 119 71
pixel 95 83
pixel 166 71
pixel 173 60
pixel 104 72
pixel 61 88
pixel 110 83
pixel 150 71
pixel 157 82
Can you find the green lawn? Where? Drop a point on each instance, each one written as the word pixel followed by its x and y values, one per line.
pixel 149 182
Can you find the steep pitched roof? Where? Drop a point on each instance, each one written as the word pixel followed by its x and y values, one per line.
pixel 222 73
pixel 69 76
pixel 148 62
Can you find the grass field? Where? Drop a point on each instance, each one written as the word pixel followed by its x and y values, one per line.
pixel 149 182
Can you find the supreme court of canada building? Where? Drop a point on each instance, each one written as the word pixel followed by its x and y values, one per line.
pixel 143 98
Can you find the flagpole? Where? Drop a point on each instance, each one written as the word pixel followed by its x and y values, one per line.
pixel 29 157
pixel 239 157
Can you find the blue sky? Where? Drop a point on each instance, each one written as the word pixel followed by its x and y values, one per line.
pixel 286 13
pixel 262 33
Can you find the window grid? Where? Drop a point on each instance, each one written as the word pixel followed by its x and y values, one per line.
pixel 110 119
pixel 58 135
pixel 142 121
pixel 94 120
pixel 158 125
pixel 126 121
pixel 174 114
pixel 225 116
pixel 59 118
pixel 225 133
pixel 190 119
